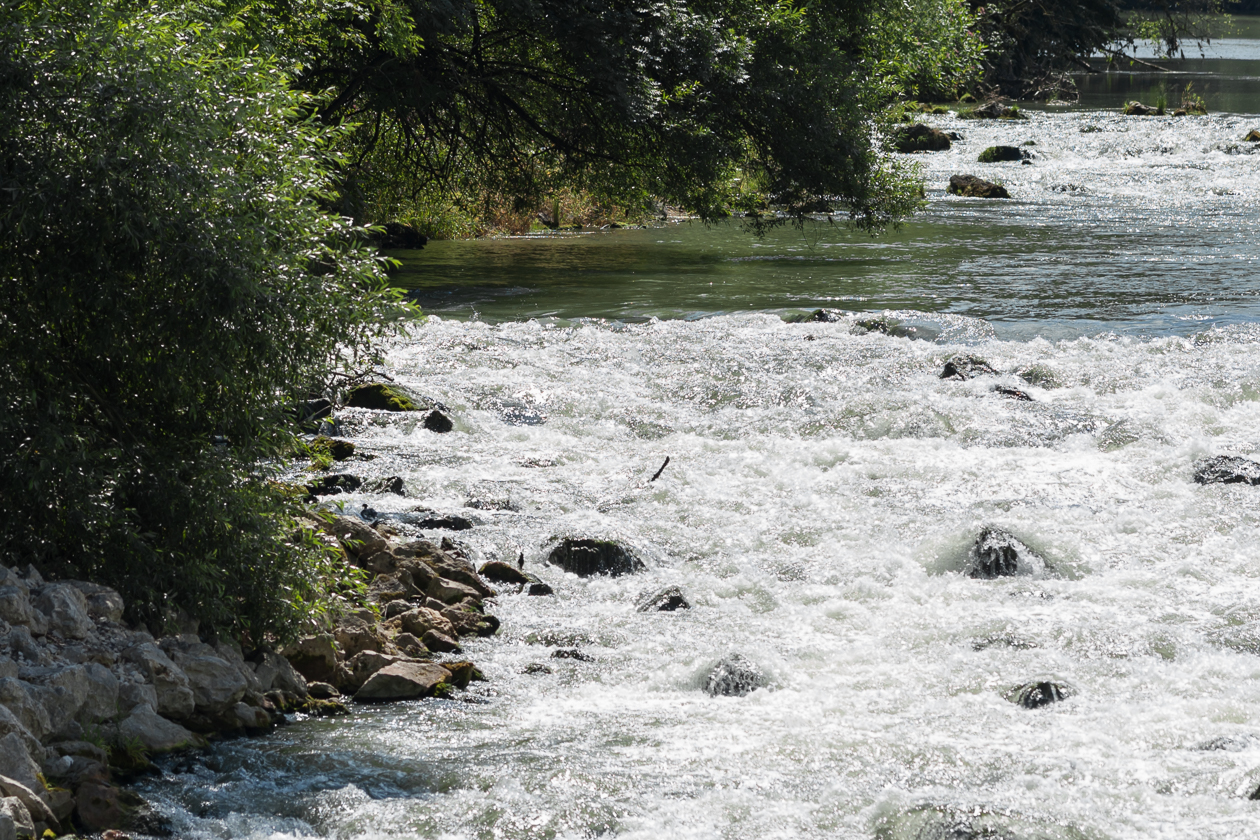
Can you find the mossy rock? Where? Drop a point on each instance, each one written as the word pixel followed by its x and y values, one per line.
pixel 972 187
pixel 993 111
pixel 1253 136
pixel 382 398
pixel 338 449
pixel 1001 154
pixel 1137 109
pixel 920 138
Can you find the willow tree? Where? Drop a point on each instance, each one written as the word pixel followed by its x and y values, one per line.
pixel 170 284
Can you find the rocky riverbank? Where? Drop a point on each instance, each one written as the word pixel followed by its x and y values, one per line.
pixel 86 700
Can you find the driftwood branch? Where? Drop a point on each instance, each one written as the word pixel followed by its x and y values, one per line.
pixel 1135 60
pixel 661 470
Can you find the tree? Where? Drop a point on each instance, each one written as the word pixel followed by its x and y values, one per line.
pixel 171 286
pixel 712 105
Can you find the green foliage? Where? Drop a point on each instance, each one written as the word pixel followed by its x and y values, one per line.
pixel 172 287
pixel 482 103
pixel 927 49
pixel 1029 41
pixel 1168 25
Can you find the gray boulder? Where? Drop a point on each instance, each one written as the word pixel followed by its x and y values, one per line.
pixel 1226 469
pixel 946 822
pixel 154 732
pixel 274 673
pixel 1034 695
pixel 216 685
pixel 314 657
pixel 9 724
pixel 998 553
pixel 15 606
pixel 16 763
pixel 102 602
pixel 734 676
pixel 22 701
pixel 23 644
pixel 101 702
pixel 132 694
pixel 15 820
pixel 26 794
pixel 587 557
pixel 175 695
pixel 66 610
pixel 664 600
pixel 402 681
pixel 359 539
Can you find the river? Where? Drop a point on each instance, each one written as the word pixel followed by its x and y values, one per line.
pixel 822 493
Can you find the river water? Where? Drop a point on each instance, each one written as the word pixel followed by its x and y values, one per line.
pixel 823 490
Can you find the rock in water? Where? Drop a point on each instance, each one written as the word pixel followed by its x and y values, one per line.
pixel 972 187
pixel 920 138
pixel 500 572
pixel 1000 154
pixel 389 484
pixel 997 553
pixel 1253 136
pixel 966 367
pixel 585 558
pixel 1137 109
pixel 734 676
pixel 665 600
pixel 382 398
pixel 1226 469
pixel 402 681
pixel 436 421
pixel 1038 694
pixel 331 485
pixel 948 822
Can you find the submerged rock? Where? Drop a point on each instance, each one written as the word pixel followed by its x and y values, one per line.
pixel 920 138
pixel 1038 694
pixel 1012 393
pixel 331 485
pixel 824 316
pixel 734 676
pixel 540 588
pixel 997 553
pixel 1226 469
pixel 1001 154
pixel 966 367
pixel 665 600
pixel 336 448
pixel 948 822
pixel 887 325
pixel 587 557
pixel 972 187
pixel 572 653
pixel 993 111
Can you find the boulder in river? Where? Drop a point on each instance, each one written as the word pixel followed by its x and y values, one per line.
pixel 1002 154
pixel 382 397
pixel 966 367
pixel 403 681
pixel 1012 393
pixel 331 485
pixel 970 186
pixel 448 522
pixel 336 448
pixel 1137 109
pixel 973 822
pixel 920 138
pixel 993 111
pixel 500 572
pixel 587 557
pixel 664 600
pixel 1034 695
pixel 436 421
pixel 387 484
pixel 825 316
pixel 998 553
pixel 734 676
pixel 1226 469
pixel 1253 136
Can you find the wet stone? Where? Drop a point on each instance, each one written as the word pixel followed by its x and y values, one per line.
pixel 500 572
pixel 436 421
pixel 668 599
pixel 1226 469
pixel 998 553
pixel 572 653
pixel 389 484
pixel 1012 393
pixel 445 523
pixel 969 186
pixel 585 557
pixel 540 588
pixel 1038 694
pixel 332 485
pixel 966 367
pixel 734 676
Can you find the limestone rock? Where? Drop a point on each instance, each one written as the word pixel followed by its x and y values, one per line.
pixel 997 553
pixel 15 606
pixel 101 702
pixel 920 138
pixel 665 600
pixel 402 681
pixel 15 820
pixel 587 557
pixel 450 592
pixel 16 763
pixel 100 807
pixel 356 639
pixel 359 539
pixel 26 794
pixel 421 620
pixel 734 676
pixel 22 642
pixel 275 673
pixel 314 657
pixel 9 724
pixel 215 683
pixel 22 701
pixel 440 642
pixel 972 187
pixel 175 696
pixel 132 694
pixel 500 572
pixel 154 732
pixel 361 667
pixel 66 610
pixel 102 602
pixel 1226 469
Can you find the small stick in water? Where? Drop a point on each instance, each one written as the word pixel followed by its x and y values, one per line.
pixel 661 470
pixel 520 561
